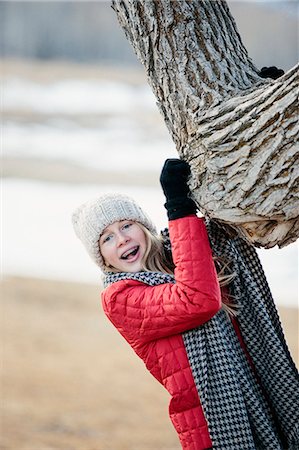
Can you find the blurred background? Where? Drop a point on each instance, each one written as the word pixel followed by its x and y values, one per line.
pixel 78 121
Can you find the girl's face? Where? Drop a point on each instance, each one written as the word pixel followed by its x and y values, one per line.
pixel 123 245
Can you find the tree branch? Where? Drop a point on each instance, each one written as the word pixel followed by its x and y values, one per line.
pixel 238 131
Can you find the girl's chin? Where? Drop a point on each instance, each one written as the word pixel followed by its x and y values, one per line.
pixel 133 267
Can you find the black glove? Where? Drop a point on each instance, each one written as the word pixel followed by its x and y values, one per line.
pixel 271 72
pixel 173 179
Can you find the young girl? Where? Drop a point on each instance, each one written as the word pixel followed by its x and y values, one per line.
pixel 232 381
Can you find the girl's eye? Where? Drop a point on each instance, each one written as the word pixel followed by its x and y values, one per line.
pixel 127 225
pixel 106 239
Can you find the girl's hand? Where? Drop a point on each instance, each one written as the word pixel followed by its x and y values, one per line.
pixel 271 72
pixel 173 179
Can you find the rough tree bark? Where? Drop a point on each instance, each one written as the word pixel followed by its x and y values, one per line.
pixel 238 131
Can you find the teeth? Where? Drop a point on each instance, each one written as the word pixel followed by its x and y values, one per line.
pixel 126 254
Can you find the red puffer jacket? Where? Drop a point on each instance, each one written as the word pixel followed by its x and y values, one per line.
pixel 152 318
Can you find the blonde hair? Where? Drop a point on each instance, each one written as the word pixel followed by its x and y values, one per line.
pixel 225 277
pixel 155 259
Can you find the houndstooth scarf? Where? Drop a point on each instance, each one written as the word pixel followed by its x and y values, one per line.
pixel 242 413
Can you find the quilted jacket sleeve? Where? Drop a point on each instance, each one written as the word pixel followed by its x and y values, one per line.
pixel 142 312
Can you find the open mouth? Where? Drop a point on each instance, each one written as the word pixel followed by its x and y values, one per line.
pixel 129 254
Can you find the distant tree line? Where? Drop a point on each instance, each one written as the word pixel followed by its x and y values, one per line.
pixel 82 31
pixel 88 31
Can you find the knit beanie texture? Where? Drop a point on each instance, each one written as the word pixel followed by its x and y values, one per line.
pixel 91 219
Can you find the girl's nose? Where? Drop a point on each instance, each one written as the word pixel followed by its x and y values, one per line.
pixel 122 239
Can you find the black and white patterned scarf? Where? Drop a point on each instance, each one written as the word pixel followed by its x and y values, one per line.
pixel 242 413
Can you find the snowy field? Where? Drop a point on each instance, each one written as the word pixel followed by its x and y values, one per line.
pixel 97 124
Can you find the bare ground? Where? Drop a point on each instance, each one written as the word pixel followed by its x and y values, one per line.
pixel 70 381
pixel 43 71
pixel 61 172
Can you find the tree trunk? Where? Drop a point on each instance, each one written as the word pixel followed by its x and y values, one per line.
pixel 238 131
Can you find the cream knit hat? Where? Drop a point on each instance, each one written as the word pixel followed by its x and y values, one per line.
pixel 91 218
